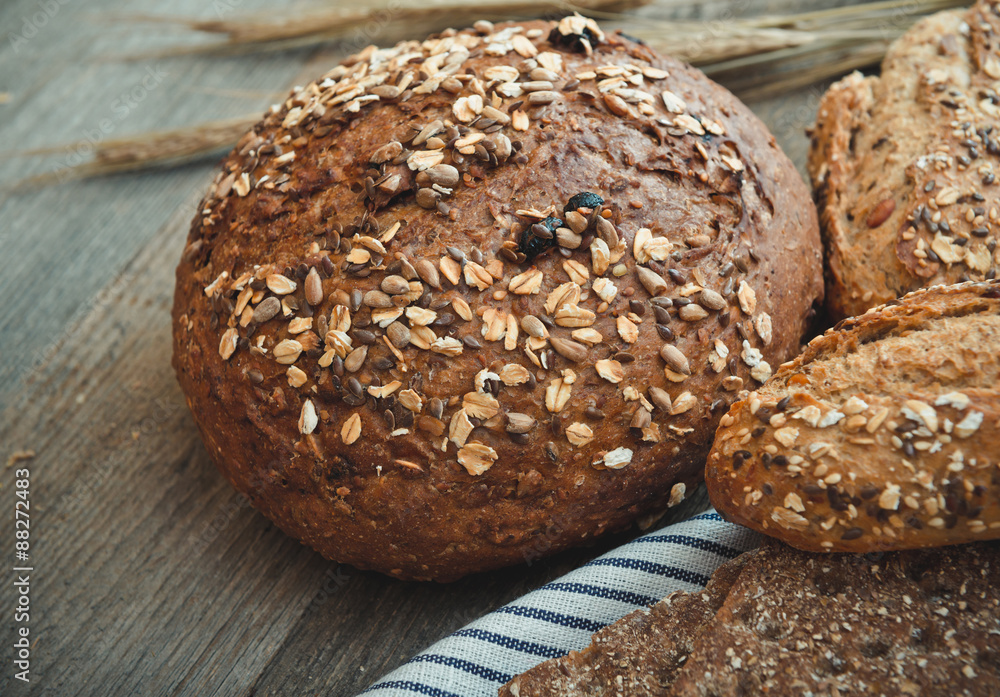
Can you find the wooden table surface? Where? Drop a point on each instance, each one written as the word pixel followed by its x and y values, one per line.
pixel 150 575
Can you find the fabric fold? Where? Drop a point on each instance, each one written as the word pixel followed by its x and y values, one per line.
pixel 562 615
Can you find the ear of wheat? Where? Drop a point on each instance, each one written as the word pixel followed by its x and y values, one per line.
pixel 757 58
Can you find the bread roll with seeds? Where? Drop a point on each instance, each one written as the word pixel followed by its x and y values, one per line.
pixel 467 301
pixel 904 165
pixel 884 434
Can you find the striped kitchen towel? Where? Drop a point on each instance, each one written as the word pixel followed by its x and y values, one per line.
pixel 561 615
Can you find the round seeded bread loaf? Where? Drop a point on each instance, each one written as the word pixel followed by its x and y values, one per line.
pixel 468 301
pixel 905 165
pixel 884 434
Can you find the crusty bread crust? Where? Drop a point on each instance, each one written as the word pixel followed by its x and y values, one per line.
pixel 884 434
pixel 904 165
pixel 384 350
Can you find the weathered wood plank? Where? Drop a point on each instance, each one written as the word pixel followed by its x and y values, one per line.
pixel 65 87
pixel 178 579
pixel 126 563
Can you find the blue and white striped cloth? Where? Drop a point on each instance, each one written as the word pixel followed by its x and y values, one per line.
pixel 561 616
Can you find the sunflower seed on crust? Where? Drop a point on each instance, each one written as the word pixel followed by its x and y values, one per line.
pixel 661 398
pixel 652 281
pixel 533 326
pixel 567 348
pixel 675 359
pixel 519 423
pixel 314 287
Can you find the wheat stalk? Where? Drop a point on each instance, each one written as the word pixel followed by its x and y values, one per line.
pixel 766 56
pixel 779 79
pixel 757 58
pixel 148 150
pixel 384 20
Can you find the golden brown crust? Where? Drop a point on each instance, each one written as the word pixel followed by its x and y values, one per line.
pixel 904 165
pixel 369 355
pixel 884 434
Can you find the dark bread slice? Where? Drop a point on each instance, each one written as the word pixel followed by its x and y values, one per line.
pixel 639 654
pixel 922 622
pixel 906 623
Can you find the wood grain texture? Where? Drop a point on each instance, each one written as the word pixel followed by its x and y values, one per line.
pixel 152 576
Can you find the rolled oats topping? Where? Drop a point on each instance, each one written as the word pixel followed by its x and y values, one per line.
pixel 421 280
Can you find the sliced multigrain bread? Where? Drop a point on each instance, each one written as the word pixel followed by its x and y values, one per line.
pixel 904 623
pixel 923 622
